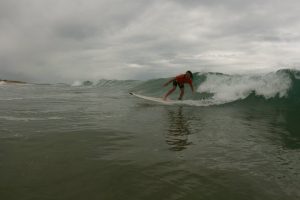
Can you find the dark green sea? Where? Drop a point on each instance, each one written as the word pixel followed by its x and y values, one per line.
pixel 237 138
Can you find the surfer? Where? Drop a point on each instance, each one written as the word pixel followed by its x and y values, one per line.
pixel 180 80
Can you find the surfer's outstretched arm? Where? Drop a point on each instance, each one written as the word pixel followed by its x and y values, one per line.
pixel 192 88
pixel 167 83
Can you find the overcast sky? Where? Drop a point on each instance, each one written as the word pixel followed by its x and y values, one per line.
pixel 68 40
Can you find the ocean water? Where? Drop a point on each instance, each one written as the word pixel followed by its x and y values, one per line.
pixel 237 138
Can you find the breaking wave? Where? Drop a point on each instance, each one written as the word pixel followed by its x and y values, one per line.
pixel 228 88
pixel 217 88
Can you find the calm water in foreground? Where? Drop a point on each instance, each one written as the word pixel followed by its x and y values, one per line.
pixel 61 142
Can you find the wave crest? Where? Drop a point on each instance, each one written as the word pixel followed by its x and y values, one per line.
pixel 228 88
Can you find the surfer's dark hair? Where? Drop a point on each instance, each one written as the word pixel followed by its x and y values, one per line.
pixel 191 74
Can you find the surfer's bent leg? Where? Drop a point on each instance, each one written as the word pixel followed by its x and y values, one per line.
pixel 181 92
pixel 171 90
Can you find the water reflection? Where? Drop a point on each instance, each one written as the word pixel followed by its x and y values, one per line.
pixel 178 131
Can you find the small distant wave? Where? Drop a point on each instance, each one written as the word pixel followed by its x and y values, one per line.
pixel 105 83
pixel 12 118
pixel 76 83
pixel 11 82
pixel 117 83
pixel 3 83
pixel 11 99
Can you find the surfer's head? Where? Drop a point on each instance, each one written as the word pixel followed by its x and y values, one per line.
pixel 189 74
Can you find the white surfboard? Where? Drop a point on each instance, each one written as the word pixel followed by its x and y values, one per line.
pixel 202 103
pixel 158 100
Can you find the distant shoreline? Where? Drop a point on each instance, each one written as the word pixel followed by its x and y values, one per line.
pixel 12 82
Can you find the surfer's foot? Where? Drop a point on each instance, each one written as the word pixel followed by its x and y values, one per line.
pixel 165 98
pixel 180 98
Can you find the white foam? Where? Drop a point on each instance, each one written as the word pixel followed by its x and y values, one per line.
pixel 201 103
pixel 77 83
pixel 11 99
pixel 83 83
pixel 228 88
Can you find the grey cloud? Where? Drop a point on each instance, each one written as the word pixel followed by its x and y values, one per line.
pixel 76 31
pixel 61 41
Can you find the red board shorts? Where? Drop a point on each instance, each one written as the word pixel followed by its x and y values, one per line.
pixel 175 83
